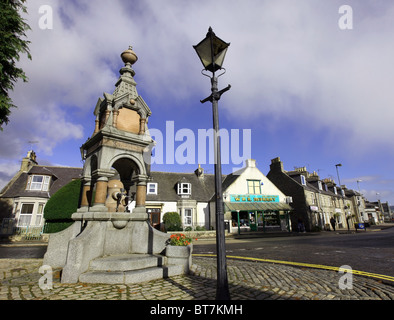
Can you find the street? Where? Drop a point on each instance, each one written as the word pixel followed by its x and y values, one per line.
pixel 371 251
pixel 363 251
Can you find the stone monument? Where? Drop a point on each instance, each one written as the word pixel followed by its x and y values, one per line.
pixel 107 243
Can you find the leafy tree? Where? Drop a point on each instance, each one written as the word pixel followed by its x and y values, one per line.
pixel 12 31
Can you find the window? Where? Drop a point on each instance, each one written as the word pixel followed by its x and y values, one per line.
pixel 25 215
pixel 188 217
pixel 152 188
pixel 38 183
pixel 335 190
pixel 254 186
pixel 303 181
pixel 39 213
pixel 320 185
pixel 184 188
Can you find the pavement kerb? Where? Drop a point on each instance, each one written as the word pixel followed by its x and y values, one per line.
pixel 390 279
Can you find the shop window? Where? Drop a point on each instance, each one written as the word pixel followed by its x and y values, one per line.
pixel 38 183
pixel 184 188
pixel 254 187
pixel 151 188
pixel 25 215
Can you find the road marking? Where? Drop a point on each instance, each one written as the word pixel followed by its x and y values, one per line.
pixel 306 265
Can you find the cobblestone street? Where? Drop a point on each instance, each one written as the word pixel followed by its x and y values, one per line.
pixel 247 281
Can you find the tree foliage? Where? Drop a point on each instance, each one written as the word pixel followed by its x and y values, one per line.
pixel 172 221
pixel 12 36
pixel 61 206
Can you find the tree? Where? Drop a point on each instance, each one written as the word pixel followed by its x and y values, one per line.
pixel 12 31
pixel 172 221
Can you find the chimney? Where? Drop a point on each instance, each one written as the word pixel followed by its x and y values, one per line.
pixel 199 171
pixel 276 165
pixel 250 163
pixel 28 161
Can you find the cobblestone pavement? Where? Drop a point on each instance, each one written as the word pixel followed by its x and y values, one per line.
pixel 19 280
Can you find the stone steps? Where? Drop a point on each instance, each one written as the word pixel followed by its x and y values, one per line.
pixel 129 268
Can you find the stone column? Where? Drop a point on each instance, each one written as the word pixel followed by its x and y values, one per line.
pixel 101 194
pixel 139 212
pixel 115 118
pixel 86 195
pixel 142 126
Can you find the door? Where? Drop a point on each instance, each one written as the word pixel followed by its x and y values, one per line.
pixel 154 217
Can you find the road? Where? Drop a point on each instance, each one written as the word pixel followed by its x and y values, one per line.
pixel 363 251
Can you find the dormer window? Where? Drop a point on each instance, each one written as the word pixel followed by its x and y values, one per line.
pixel 38 183
pixel 320 185
pixel 303 180
pixel 335 190
pixel 184 188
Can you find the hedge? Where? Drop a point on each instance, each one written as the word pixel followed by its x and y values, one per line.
pixel 172 221
pixel 61 206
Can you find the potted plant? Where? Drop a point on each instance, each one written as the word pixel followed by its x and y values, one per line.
pixel 179 251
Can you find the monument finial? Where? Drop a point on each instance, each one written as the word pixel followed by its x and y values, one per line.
pixel 129 56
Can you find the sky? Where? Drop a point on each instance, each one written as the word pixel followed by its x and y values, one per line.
pixel 310 83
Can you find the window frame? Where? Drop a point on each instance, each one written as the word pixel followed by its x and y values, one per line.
pixel 149 185
pixel 252 185
pixel 182 186
pixel 38 185
pixel 188 217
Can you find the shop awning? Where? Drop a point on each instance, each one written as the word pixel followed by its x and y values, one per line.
pixel 257 206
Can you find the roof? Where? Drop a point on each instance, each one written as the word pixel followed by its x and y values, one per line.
pixel 203 187
pixel 60 177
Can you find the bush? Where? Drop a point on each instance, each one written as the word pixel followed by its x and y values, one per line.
pixel 172 221
pixel 61 206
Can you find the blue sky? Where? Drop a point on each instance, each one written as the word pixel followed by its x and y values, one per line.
pixel 311 93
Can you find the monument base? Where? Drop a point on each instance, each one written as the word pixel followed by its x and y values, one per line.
pixel 121 239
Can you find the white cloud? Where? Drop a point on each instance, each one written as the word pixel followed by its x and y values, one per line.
pixel 287 59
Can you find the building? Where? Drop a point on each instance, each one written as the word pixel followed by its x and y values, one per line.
pixel 186 193
pixel 315 201
pixel 23 199
pixel 252 202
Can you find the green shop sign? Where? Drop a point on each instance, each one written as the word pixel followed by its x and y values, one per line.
pixel 253 198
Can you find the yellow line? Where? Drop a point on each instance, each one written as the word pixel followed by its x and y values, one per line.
pixel 307 265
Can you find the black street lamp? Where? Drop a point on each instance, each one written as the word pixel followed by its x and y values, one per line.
pixel 211 52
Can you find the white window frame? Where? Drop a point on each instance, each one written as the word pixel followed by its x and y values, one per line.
pixel 25 219
pixel 319 183
pixel 42 185
pixel 335 190
pixel 188 217
pixel 303 180
pixel 184 188
pixel 150 186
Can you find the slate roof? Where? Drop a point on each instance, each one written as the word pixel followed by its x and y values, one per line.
pixel 60 177
pixel 203 188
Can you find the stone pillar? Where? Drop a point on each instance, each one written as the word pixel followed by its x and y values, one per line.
pixel 142 126
pixel 115 118
pixel 141 195
pixel 86 195
pixel 101 194
pixel 97 125
pixel 139 212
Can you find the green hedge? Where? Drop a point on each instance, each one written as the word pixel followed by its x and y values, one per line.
pixel 61 206
pixel 172 221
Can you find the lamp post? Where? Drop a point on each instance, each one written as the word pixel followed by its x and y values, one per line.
pixel 339 180
pixel 211 52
